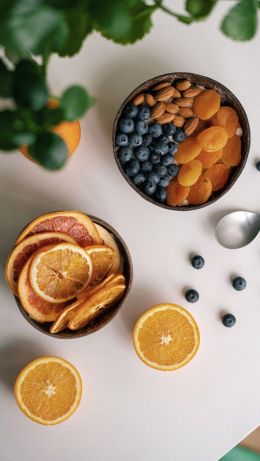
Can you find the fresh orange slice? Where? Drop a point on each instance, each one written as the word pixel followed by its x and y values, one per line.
pixel 74 223
pixel 95 305
pixel 24 250
pixel 48 390
pixel 38 309
pixel 109 240
pixel 166 337
pixel 102 259
pixel 59 272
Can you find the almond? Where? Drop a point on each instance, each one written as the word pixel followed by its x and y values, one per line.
pixel 186 112
pixel 183 85
pixel 158 109
pixel 179 121
pixel 191 125
pixel 172 108
pixel 165 94
pixel 183 102
pixel 165 118
pixel 161 85
pixel 177 94
pixel 139 99
pixel 192 92
pixel 149 99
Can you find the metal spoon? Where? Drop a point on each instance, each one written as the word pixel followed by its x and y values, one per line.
pixel 238 229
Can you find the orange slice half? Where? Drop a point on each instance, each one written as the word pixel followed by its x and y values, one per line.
pixel 109 240
pixel 102 259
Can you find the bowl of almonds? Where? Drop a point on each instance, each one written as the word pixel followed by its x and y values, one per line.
pixel 181 140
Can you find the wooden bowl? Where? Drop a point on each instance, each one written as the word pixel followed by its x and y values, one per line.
pixel 109 313
pixel 227 97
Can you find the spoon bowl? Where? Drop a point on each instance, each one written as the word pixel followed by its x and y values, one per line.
pixel 238 229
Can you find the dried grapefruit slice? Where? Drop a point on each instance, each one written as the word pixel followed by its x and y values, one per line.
pixel 59 272
pixel 108 240
pixel 38 309
pixel 74 223
pixel 24 250
pixel 166 337
pixel 102 259
pixel 48 390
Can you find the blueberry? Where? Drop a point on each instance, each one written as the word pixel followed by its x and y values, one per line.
pixel 165 181
pixel 126 125
pixel 192 296
pixel 149 187
pixel 179 135
pixel 152 177
pixel 155 159
pixel 197 262
pixel 239 283
pixel 138 179
pixel 146 167
pixel 160 170
pixel 169 129
pixel 141 127
pixel 173 170
pixel 122 140
pixel 155 130
pixel 132 167
pixel 229 320
pixel 125 154
pixel 160 148
pixel 130 111
pixel 144 112
pixel 160 194
pixel 135 139
pixel 142 153
pixel 257 165
pixel 173 147
pixel 167 160
pixel 164 139
pixel 147 139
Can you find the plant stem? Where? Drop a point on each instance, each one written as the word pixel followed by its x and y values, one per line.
pixel 159 4
pixel 45 60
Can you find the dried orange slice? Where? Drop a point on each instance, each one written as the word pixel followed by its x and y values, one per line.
pixel 218 175
pixel 110 280
pixel 95 305
pixel 38 309
pixel 74 223
pixel 109 240
pixel 24 250
pixel 166 337
pixel 48 390
pixel 59 272
pixel 102 259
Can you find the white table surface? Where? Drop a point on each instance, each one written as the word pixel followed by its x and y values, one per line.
pixel 130 412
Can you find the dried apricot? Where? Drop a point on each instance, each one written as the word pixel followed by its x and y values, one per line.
pixel 176 193
pixel 200 192
pixel 208 159
pixel 227 118
pixel 190 173
pixel 206 104
pixel 232 152
pixel 188 150
pixel 213 138
pixel 218 175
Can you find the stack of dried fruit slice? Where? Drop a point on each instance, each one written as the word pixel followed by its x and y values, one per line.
pixel 65 269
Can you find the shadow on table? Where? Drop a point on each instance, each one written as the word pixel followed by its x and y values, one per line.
pixel 14 356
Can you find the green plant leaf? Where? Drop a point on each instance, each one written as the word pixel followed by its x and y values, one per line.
pixel 13 132
pixel 48 117
pixel 6 79
pixel 75 101
pixel 23 138
pixel 49 150
pixel 29 87
pixel 240 23
pixel 258 4
pixel 184 19
pixel 200 9
pixel 79 26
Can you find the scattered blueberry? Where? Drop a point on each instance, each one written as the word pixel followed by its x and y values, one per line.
pixel 160 194
pixel 179 135
pixel 147 139
pixel 125 154
pixel 126 125
pixel 132 167
pixel 138 179
pixel 149 187
pixel 146 167
pixel 135 139
pixel 229 320
pixel 167 160
pixel 192 296
pixel 169 129
pixel 258 165
pixel 173 170
pixel 142 153
pixel 173 147
pixel 122 140
pixel 154 159
pixel 152 177
pixel 141 127
pixel 144 112
pixel 165 181
pixel 239 283
pixel 160 170
pixel 197 262
pixel 130 111
pixel 160 148
pixel 163 139
pixel 155 130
